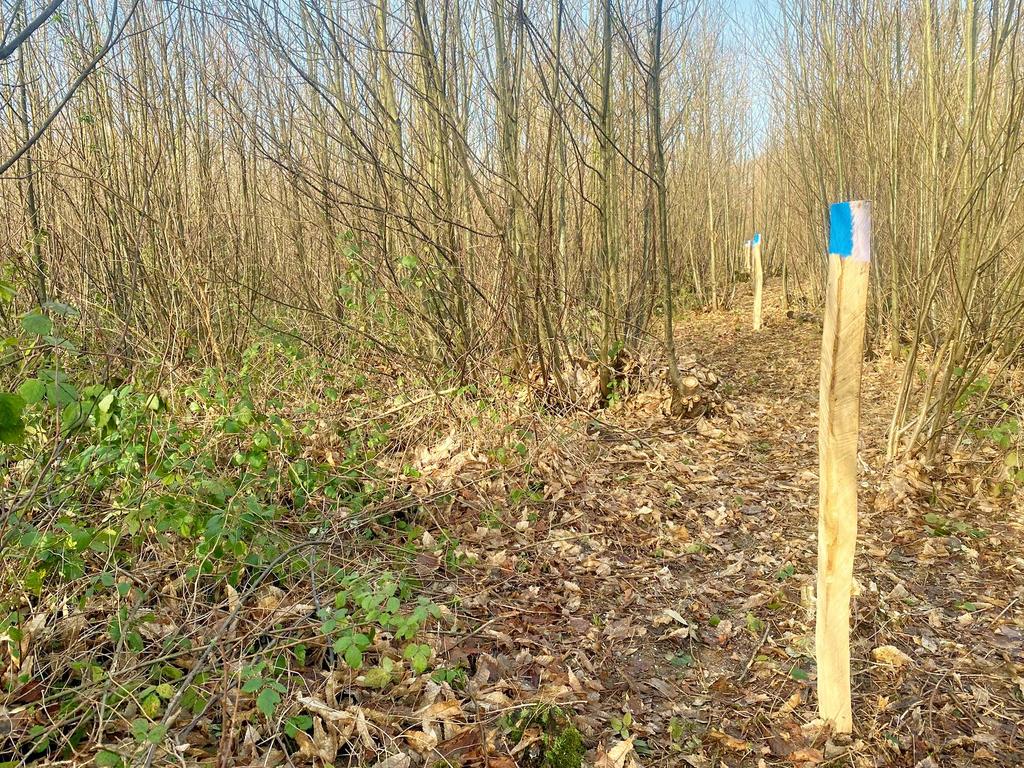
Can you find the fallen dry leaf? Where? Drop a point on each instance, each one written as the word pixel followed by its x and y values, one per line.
pixel 730 742
pixel 890 656
pixel 398 760
pixel 619 756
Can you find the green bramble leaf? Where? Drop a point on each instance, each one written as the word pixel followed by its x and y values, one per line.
pixel 297 723
pixel 152 705
pixel 107 759
pixel 60 308
pixel 32 390
pixel 354 656
pixel 267 701
pixel 12 427
pixel 37 324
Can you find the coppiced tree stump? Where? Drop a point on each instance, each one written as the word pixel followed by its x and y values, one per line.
pixel 698 393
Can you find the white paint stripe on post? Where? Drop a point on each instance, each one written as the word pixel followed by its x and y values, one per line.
pixel 842 351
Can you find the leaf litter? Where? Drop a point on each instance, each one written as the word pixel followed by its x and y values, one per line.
pixel 619 588
pixel 665 569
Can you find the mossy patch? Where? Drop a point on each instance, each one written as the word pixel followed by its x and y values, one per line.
pixel 555 741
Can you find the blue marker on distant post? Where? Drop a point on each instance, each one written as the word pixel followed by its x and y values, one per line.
pixel 842 351
pixel 757 275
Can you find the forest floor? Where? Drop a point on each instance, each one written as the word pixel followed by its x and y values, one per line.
pixel 660 586
pixel 519 588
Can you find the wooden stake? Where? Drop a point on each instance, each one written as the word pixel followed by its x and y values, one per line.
pixel 758 278
pixel 842 349
pixel 746 257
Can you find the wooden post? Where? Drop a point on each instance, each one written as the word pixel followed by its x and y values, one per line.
pixel 746 257
pixel 785 283
pixel 842 349
pixel 758 278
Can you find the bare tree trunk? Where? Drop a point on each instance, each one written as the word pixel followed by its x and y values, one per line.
pixel 607 230
pixel 657 170
pixel 35 229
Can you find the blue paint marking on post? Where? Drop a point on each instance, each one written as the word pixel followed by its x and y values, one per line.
pixel 840 229
pixel 757 238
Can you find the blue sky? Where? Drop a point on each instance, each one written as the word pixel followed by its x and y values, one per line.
pixel 750 17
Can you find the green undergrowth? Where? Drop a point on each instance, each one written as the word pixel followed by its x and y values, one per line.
pixel 150 534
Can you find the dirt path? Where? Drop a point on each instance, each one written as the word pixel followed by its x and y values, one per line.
pixel 663 576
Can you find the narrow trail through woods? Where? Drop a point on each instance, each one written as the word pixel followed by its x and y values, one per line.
pixel 671 577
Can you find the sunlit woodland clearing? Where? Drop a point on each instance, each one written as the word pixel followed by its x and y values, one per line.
pixel 433 383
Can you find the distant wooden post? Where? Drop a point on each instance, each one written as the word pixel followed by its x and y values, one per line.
pixel 746 257
pixel 758 278
pixel 785 282
pixel 842 350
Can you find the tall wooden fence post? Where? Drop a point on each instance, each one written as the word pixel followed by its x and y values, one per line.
pixel 758 277
pixel 842 350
